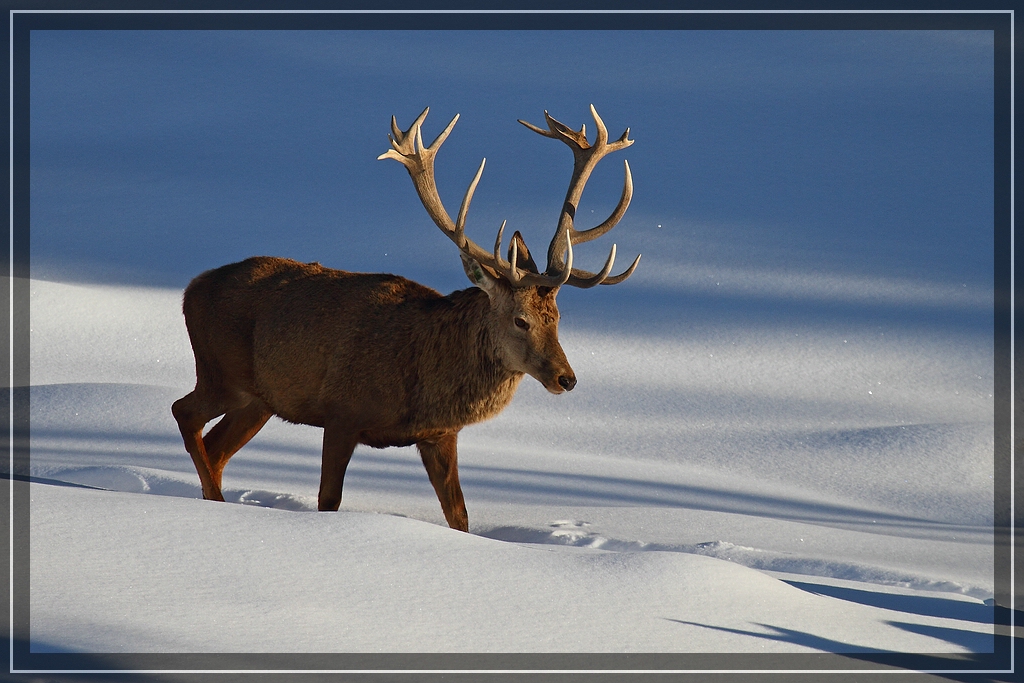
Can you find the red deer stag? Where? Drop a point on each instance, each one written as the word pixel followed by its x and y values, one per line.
pixel 377 359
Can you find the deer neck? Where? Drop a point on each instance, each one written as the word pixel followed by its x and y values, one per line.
pixel 486 385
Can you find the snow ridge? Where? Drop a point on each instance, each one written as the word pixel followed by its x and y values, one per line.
pixel 574 533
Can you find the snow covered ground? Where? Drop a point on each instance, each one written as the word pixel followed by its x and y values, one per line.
pixel 782 435
pixel 669 504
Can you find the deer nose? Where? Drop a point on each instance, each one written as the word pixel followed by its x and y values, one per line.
pixel 567 382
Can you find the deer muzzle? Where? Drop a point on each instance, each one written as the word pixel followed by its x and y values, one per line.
pixel 557 378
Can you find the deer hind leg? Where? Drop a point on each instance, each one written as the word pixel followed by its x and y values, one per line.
pixel 233 431
pixel 440 457
pixel 192 412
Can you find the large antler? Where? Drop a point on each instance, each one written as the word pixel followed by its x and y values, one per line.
pixel 586 156
pixel 408 148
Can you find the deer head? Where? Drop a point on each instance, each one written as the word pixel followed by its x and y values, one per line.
pixel 522 298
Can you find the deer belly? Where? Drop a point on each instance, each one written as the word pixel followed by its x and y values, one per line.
pixel 289 377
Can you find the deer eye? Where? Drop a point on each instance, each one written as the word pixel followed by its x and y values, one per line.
pixel 522 324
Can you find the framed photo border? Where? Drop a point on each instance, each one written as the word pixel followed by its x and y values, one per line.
pixel 16 493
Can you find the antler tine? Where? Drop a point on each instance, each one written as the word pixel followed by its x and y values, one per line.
pixel 567 270
pixel 584 279
pixel 588 282
pixel 507 268
pixel 536 129
pixel 577 139
pixel 441 137
pixel 581 236
pixel 460 222
pixel 513 271
pixel 602 131
pixel 402 142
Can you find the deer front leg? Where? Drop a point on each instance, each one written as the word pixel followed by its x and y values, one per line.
pixel 339 442
pixel 440 457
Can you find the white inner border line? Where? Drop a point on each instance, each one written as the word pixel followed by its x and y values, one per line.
pixel 10 342
pixel 1013 393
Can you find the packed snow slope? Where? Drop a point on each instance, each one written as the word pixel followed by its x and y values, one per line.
pixel 782 435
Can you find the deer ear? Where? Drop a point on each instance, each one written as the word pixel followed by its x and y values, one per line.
pixel 479 275
pixel 523 259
